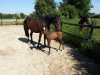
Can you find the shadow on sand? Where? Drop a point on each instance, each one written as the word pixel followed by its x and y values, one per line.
pixel 84 63
pixel 34 45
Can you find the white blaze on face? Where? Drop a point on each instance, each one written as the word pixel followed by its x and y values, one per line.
pixel 43 28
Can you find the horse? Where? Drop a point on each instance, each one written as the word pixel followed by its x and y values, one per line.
pixel 84 21
pixel 53 35
pixel 37 24
pixel 25 25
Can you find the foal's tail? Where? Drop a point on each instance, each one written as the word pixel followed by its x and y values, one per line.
pixel 26 28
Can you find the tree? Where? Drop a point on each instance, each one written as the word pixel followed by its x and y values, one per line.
pixel 68 10
pixel 44 7
pixel 6 16
pixel 39 7
pixel 22 15
pixel 33 14
pixel 72 12
pixel 50 6
pixel 0 15
pixel 82 6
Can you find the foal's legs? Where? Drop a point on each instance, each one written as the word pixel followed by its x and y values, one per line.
pixel 40 34
pixel 45 37
pixel 31 36
pixel 49 41
pixel 61 43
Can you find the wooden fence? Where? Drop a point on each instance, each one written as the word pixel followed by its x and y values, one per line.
pixel 91 26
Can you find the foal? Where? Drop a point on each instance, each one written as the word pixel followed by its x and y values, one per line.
pixel 53 35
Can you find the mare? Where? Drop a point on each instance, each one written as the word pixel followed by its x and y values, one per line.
pixel 37 24
pixel 83 22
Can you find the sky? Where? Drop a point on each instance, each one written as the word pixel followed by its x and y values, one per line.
pixel 96 8
pixel 27 6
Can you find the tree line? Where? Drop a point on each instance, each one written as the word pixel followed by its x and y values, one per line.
pixel 66 8
pixel 12 16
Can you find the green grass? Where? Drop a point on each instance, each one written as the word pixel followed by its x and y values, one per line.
pixel 96 32
pixel 90 47
pixel 97 21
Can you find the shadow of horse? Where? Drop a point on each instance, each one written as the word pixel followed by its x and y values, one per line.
pixel 25 40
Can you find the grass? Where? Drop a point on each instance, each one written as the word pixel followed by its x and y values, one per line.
pixel 96 32
pixel 90 47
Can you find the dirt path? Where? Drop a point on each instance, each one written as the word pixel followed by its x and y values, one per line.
pixel 17 58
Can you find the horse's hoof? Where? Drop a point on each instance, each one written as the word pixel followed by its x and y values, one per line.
pixel 38 47
pixel 45 46
pixel 31 41
pixel 60 49
pixel 48 53
pixel 31 48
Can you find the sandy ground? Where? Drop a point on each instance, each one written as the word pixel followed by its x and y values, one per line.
pixel 18 57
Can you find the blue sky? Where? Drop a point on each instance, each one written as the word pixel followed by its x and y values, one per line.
pixel 27 6
pixel 96 4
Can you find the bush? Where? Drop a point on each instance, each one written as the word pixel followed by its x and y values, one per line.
pixel 96 16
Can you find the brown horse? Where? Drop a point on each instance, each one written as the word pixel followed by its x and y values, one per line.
pixel 37 24
pixel 84 21
pixel 53 35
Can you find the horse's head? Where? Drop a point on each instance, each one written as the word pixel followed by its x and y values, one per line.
pixel 28 19
pixel 52 18
pixel 57 22
pixel 84 21
pixel 87 19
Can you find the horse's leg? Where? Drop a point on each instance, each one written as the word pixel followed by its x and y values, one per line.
pixel 28 34
pixel 26 29
pixel 45 40
pixel 31 36
pixel 60 46
pixel 61 43
pixel 49 41
pixel 40 34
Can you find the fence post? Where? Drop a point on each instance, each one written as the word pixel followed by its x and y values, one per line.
pixel 16 21
pixel 1 21
pixel 91 31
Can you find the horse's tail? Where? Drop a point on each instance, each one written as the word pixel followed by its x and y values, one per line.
pixel 26 28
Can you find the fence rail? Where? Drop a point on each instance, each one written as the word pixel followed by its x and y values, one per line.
pixel 91 26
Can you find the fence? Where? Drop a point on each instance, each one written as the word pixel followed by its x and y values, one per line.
pixel 91 26
pixel 20 21
pixel 11 21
